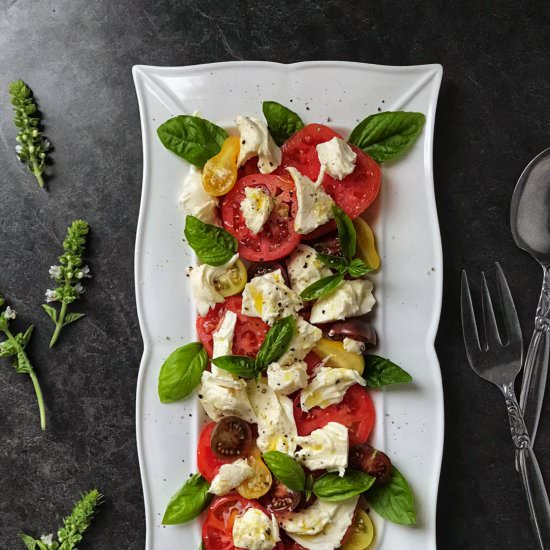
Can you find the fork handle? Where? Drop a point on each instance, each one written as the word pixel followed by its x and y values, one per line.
pixel 533 484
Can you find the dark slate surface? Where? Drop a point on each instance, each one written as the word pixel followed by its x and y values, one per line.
pixel 493 117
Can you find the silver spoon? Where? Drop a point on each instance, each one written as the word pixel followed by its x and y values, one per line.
pixel 530 223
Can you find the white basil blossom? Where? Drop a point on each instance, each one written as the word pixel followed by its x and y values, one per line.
pixel 47 539
pixel 51 295
pixel 84 273
pixel 10 313
pixel 79 289
pixel 55 271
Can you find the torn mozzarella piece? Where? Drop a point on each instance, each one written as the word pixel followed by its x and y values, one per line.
pixel 254 530
pixel 305 268
pixel 223 342
pixel 195 201
pixel 304 340
pixel 256 141
pixel 286 380
pixel 353 346
pixel 336 158
pixel 230 476
pixel 256 208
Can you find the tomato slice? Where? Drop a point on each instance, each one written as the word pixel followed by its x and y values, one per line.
pixel 208 463
pixel 249 331
pixel 356 412
pixel 355 193
pixel 277 238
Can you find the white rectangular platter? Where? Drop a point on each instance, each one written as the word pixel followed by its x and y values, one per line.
pixel 408 287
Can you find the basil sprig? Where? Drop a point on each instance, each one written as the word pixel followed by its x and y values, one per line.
pixel 213 245
pixel 394 499
pixel 385 136
pixel 193 138
pixel 282 122
pixel 382 372
pixel 188 502
pixel 286 469
pixel 333 488
pixel 181 373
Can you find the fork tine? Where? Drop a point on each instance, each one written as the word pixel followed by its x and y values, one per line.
pixel 469 326
pixel 489 321
pixel 509 313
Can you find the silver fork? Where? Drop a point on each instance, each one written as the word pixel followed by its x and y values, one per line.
pixel 499 363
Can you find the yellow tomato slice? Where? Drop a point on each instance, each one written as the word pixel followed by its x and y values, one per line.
pixel 219 174
pixel 362 534
pixel 232 281
pixel 366 243
pixel 338 357
pixel 260 483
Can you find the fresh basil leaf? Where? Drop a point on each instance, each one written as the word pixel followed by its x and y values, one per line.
pixel 394 499
pixel 334 262
pixel 385 136
pixel 286 469
pixel 7 349
pixel 23 338
pixel 358 268
pixel 213 245
pixel 188 502
pixel 51 311
pixel 72 317
pixel 308 489
pixel 333 488
pixel 193 138
pixel 322 287
pixel 382 372
pixel 276 342
pixel 282 122
pixel 239 365
pixel 181 372
pixel 346 233
pixel 31 543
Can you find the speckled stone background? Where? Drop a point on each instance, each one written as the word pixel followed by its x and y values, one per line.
pixel 493 116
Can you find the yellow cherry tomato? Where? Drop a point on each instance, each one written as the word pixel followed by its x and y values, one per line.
pixel 338 357
pixel 232 281
pixel 260 483
pixel 362 534
pixel 219 174
pixel 366 243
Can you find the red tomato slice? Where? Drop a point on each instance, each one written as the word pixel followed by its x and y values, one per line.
pixel 277 238
pixel 249 331
pixel 208 463
pixel 355 193
pixel 356 411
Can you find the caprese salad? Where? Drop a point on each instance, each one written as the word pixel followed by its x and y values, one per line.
pixel 284 363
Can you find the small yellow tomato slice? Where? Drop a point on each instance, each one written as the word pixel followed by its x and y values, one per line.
pixel 260 483
pixel 219 174
pixel 366 243
pixel 362 534
pixel 232 281
pixel 338 357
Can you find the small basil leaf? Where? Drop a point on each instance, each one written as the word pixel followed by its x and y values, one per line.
pixel 286 469
pixel 237 364
pixel 188 502
pixel 193 138
pixel 282 122
pixel 31 543
pixel 52 312
pixel 212 245
pixel 309 486
pixel 382 372
pixel 322 287
pixel 333 488
pixel 394 500
pixel 358 268
pixel 346 233
pixel 385 136
pixel 73 317
pixel 23 338
pixel 334 262
pixel 276 342
pixel 181 373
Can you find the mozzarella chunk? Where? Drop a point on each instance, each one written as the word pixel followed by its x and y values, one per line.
pixel 350 299
pixel 314 205
pixel 310 520
pixel 305 268
pixel 328 387
pixel 303 341
pixel 325 448
pixel 288 379
pixel 230 476
pixel 254 530
pixel 195 201
pixel 353 346
pixel 336 157
pixel 333 532
pixel 256 141
pixel 223 396
pixel 223 342
pixel 275 418
pixel 256 208
pixel 203 284
pixel 268 297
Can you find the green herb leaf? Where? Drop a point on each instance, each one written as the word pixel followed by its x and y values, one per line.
pixel 7 349
pixel 358 268
pixel 308 490
pixel 23 338
pixel 31 543
pixel 239 365
pixel 337 263
pixel 276 342
pixel 193 138
pixel 51 311
pixel 382 372
pixel 188 502
pixel 282 122
pixel 181 373
pixel 286 469
pixel 394 500
pixel 322 287
pixel 346 233
pixel 212 245
pixel 73 317
pixel 385 136
pixel 333 488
